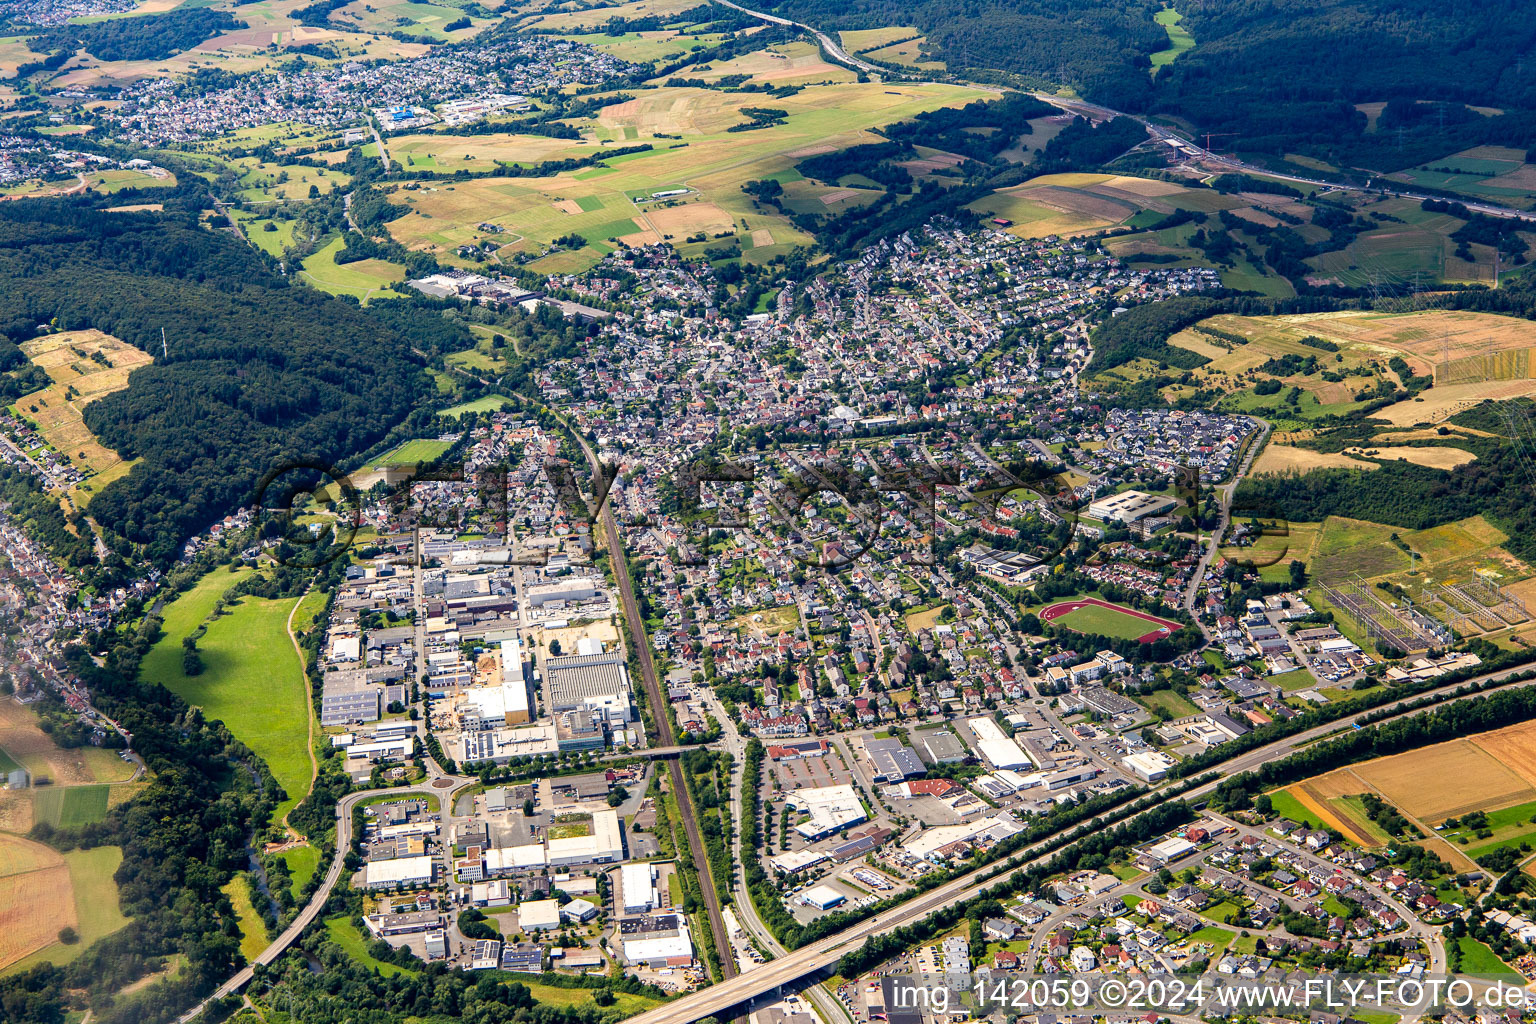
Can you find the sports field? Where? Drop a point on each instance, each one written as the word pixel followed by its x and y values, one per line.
pixel 1090 615
pixel 251 679
pixel 412 452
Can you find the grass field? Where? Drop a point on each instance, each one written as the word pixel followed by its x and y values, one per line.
pixel 270 242
pixel 412 452
pixel 360 279
pixel 1180 41
pixel 1287 806
pixel 70 806
pixel 487 404
pixel 1477 958
pixel 303 862
pixel 1168 700
pixel 264 182
pixel 252 679
pixel 253 930
pixel 345 934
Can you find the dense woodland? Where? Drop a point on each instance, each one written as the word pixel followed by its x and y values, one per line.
pixel 257 371
pixel 148 37
pixel 1283 75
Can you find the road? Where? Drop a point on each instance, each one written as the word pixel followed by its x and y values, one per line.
pixel 1224 494
pixel 833 48
pixel 822 955
pixel 1203 157
pixel 317 902
pixel 379 140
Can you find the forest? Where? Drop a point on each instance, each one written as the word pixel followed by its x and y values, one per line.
pixel 1402 494
pixel 1282 75
pixel 147 37
pixel 255 371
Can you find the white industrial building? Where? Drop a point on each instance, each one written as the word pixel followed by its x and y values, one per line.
pixel 822 897
pixel 994 745
pixel 579 911
pixel 538 915
pixel 603 846
pixel 401 872
pixel 1150 765
pixel 666 942
pixel 927 843
pixel 1129 506
pixel 637 888
pixel 832 809
pixel 1170 850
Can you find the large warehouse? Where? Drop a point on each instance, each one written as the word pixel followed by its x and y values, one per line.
pixel 832 809
pixel 603 846
pixel 993 744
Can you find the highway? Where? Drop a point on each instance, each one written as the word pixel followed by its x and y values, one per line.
pixel 792 967
pixel 1206 158
pixel 833 48
pixel 317 902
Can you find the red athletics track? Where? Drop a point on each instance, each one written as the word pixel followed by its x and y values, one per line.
pixel 1164 626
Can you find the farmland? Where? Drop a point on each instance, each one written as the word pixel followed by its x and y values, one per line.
pixel 251 680
pixel 1494 173
pixel 598 203
pixel 43 892
pixel 70 806
pixel 27 745
pixel 1471 356
pixel 84 366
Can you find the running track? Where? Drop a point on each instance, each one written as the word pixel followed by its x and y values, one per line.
pixel 1062 608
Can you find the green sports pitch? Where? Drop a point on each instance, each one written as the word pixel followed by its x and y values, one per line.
pixel 412 452
pixel 1100 618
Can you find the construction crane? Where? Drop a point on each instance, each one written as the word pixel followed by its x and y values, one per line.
pixel 1216 135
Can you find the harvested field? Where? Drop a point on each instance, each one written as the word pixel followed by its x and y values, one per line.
pixel 1443 401
pixel 643 237
pixel 689 218
pixel 838 196
pixel 1143 186
pixel 568 206
pixel 1433 458
pixel 862 40
pixel 67 359
pixel 1281 458
pixel 1455 540
pixel 762 236
pixel 1306 793
pixel 35 903
pixel 30 747
pixel 1514 746
pixel 1069 200
pixel 1431 783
